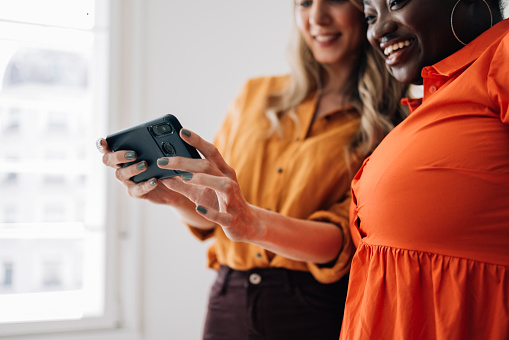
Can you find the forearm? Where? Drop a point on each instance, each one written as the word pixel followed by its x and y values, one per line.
pixel 301 240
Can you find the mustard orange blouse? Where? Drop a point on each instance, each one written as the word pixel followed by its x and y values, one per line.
pixel 301 174
pixel 431 209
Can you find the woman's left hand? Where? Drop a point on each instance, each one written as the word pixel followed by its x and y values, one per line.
pixel 212 185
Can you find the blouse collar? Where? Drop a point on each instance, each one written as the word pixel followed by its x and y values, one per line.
pixel 468 54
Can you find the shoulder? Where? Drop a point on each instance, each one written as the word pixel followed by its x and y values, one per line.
pixel 267 83
pixel 495 57
pixel 497 38
pixel 255 92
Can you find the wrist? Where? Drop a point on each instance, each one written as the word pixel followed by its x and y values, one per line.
pixel 258 226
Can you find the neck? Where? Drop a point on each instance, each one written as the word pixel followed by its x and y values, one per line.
pixel 338 77
pixel 336 89
pixel 337 80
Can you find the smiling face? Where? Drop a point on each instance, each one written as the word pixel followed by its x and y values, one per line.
pixel 411 34
pixel 334 30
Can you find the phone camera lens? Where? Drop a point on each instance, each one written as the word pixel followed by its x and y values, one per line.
pixel 168 148
pixel 161 129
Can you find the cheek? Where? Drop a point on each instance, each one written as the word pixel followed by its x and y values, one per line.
pixel 354 19
pixel 301 20
pixel 361 33
pixel 372 41
pixel 302 25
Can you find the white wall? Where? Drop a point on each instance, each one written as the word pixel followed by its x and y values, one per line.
pixel 196 55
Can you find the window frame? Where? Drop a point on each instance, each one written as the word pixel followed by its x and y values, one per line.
pixel 123 304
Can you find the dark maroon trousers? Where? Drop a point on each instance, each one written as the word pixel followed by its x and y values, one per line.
pixel 274 304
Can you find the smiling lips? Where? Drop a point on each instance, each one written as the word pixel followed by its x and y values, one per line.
pixel 325 38
pixel 394 47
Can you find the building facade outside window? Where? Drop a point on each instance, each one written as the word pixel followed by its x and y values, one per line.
pixel 54 247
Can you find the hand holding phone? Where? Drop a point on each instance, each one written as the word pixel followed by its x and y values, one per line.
pixel 152 140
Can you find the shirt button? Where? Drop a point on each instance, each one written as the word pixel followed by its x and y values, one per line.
pixel 432 89
pixel 255 279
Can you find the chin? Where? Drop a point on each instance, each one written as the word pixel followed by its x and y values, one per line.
pixel 326 61
pixel 406 76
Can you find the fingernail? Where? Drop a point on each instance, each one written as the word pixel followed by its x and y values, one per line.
pixel 152 182
pixel 162 161
pixel 187 177
pixel 130 155
pixel 141 165
pixel 99 143
pixel 201 209
pixel 186 132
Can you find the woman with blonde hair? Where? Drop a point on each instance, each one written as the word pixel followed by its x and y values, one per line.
pixel 273 189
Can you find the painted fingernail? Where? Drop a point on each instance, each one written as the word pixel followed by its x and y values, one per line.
pixel 162 161
pixel 201 209
pixel 187 177
pixel 141 165
pixel 130 155
pixel 99 143
pixel 186 132
pixel 152 182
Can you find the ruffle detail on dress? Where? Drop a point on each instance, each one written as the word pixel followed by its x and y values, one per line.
pixel 405 294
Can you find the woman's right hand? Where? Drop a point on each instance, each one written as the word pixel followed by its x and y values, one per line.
pixel 150 190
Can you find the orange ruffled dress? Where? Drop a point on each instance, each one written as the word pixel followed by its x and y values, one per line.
pixel 430 211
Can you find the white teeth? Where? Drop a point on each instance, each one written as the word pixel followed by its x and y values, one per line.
pixel 389 49
pixel 324 38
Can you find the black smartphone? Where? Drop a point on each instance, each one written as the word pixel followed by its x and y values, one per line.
pixel 152 140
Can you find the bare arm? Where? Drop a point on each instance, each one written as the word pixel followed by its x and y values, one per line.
pixel 298 239
pixel 301 240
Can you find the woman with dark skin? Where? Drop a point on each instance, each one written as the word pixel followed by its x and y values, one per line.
pixel 429 211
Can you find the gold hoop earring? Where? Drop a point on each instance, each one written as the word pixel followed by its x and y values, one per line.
pixel 452 15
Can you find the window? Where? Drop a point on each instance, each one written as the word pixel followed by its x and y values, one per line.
pixel 53 240
pixel 7 275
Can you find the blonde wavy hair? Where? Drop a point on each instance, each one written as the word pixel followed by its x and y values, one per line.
pixel 375 95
